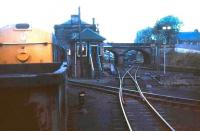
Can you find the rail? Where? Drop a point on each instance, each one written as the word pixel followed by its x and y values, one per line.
pixel 152 96
pixel 148 103
pixel 115 90
pixel 122 102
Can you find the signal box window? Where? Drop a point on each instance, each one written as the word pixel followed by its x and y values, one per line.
pixel 82 49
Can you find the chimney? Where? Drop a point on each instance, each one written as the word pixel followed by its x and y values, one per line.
pixel 93 21
pixel 74 19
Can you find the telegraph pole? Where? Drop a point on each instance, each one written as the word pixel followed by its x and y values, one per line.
pixel 80 42
pixel 75 46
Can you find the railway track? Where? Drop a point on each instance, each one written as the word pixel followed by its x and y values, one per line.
pixel 185 102
pixel 138 111
pixel 155 120
pixel 100 111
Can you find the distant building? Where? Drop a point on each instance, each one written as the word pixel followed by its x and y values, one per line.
pixel 188 42
pixel 191 38
pixel 82 43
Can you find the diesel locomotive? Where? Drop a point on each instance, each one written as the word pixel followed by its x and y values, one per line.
pixel 32 80
pixel 21 43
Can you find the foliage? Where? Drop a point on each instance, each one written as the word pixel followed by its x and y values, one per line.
pixel 144 36
pixel 169 35
pixel 171 21
pixel 157 33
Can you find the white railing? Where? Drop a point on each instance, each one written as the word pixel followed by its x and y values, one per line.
pixel 91 62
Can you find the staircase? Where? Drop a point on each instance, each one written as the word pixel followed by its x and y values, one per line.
pixel 95 66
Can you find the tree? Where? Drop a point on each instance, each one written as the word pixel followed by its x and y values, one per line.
pixel 169 35
pixel 157 33
pixel 144 36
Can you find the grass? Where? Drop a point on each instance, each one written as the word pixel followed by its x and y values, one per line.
pixel 184 60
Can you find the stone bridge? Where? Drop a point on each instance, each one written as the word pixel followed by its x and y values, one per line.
pixel 151 52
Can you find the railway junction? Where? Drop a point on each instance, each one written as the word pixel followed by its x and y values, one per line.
pixel 177 103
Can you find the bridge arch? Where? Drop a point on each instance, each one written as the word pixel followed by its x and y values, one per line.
pixel 120 50
pixel 151 52
pixel 119 55
pixel 109 56
pixel 116 56
pixel 109 59
pixel 146 56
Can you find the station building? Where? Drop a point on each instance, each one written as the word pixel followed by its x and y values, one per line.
pixel 83 46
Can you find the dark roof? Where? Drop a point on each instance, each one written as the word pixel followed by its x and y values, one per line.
pixel 90 35
pixel 192 36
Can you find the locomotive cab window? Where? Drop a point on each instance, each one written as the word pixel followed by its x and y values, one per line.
pixel 22 26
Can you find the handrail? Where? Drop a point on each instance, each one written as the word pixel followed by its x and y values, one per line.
pixel 91 62
pixel 122 101
pixel 149 104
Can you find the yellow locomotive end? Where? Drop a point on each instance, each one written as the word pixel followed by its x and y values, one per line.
pixel 21 43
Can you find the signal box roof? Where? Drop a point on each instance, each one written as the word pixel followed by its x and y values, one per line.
pixel 89 35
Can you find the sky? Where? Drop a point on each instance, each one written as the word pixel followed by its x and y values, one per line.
pixel 118 20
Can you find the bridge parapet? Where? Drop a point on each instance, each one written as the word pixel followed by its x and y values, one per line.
pixel 150 45
pixel 129 45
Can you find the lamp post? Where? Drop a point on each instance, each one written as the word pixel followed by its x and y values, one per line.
pixel 155 47
pixel 165 28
